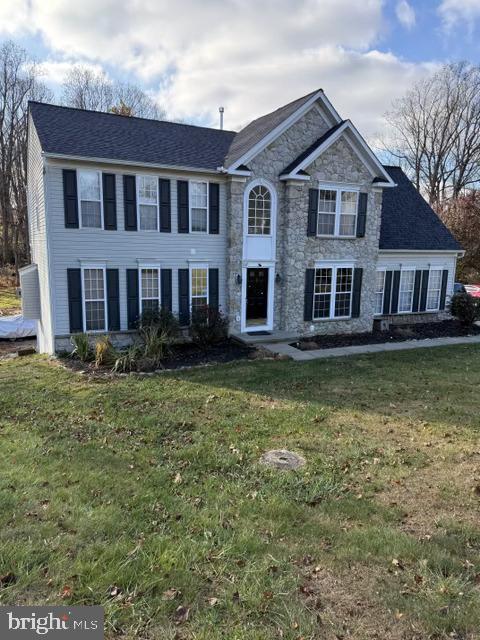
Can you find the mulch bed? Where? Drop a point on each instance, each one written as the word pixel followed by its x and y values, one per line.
pixel 183 355
pixel 399 333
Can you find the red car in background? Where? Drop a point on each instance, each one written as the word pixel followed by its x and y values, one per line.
pixel 473 290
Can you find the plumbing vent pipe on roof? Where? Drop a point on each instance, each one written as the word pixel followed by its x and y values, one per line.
pixel 221 111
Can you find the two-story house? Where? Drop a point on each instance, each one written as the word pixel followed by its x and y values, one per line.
pixel 291 224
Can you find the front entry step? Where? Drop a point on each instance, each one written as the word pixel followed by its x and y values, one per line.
pixel 258 337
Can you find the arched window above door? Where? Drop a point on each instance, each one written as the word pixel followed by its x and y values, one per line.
pixel 259 211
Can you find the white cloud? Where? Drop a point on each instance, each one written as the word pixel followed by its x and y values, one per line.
pixel 455 12
pixel 54 71
pixel 405 14
pixel 250 57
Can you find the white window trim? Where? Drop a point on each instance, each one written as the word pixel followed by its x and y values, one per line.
pixel 137 190
pixel 190 182
pixel 197 265
pixel 437 308
pixel 157 267
pixel 338 209
pixel 79 198
pixel 384 269
pixel 402 271
pixel 84 267
pixel 333 293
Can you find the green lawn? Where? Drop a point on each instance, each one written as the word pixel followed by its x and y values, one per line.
pixel 9 302
pixel 144 494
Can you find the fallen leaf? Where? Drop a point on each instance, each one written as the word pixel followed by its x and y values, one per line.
pixel 181 614
pixel 66 592
pixel 171 594
pixel 114 591
pixel 397 564
pixel 418 579
pixel 177 479
pixel 7 579
pixel 212 601
pixel 268 595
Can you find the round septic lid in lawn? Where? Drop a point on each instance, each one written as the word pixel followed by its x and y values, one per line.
pixel 282 459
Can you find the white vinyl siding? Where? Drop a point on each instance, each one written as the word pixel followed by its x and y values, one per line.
pixel 198 286
pixel 434 288
pixel 147 198
pixel 405 296
pixel 94 291
pixel 90 199
pixel 149 289
pixel 198 195
pixel 332 293
pixel 337 212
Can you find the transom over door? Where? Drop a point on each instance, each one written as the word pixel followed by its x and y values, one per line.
pixel 257 295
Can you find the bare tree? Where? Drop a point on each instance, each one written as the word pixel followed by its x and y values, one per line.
pixel 435 131
pixel 19 82
pixel 84 88
pixel 462 215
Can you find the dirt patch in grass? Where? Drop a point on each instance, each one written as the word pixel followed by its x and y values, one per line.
pixel 400 333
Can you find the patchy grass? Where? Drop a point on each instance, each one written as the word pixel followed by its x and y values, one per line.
pixel 144 494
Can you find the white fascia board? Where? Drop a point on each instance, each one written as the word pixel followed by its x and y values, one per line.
pixel 283 126
pixel 416 252
pixel 347 125
pixel 128 163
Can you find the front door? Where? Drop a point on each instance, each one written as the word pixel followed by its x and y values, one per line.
pixel 257 296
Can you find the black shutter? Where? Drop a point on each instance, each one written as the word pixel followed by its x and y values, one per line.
pixel 308 300
pixel 70 199
pixel 184 297
pixel 395 291
pixel 443 290
pixel 182 204
pixel 213 288
pixel 213 207
pixel 109 201
pixel 312 212
pixel 130 203
pixel 357 292
pixel 113 300
pixel 166 288
pixel 165 206
pixel 416 290
pixel 424 290
pixel 362 215
pixel 387 292
pixel 74 280
pixel 133 304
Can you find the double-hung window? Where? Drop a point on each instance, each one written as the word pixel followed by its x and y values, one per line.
pixel 332 294
pixel 198 206
pixel 379 291
pixel 90 197
pixel 337 212
pixel 434 287
pixel 147 203
pixel 198 286
pixel 94 299
pixel 407 284
pixel 149 289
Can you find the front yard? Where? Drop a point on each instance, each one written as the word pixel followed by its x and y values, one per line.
pixel 144 494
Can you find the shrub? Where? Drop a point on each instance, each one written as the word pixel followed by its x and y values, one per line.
pixel 156 343
pixel 81 347
pixel 105 352
pixel 465 308
pixel 208 326
pixel 127 360
pixel 161 318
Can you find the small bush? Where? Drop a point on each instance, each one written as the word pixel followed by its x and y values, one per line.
pixel 105 353
pixel 163 319
pixel 156 342
pixel 81 347
pixel 465 308
pixel 208 326
pixel 128 360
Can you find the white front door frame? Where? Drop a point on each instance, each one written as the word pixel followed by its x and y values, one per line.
pixel 268 326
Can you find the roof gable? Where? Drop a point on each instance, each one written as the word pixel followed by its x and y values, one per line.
pixel 97 135
pixel 408 222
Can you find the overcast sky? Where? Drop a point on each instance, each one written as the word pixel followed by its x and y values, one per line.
pixel 250 56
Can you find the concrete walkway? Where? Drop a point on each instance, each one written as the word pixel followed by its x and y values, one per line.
pixel 284 349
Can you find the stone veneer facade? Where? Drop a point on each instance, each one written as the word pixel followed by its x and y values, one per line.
pixel 295 251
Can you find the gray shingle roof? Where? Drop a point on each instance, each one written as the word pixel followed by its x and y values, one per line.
pixel 408 221
pixel 259 128
pixel 93 134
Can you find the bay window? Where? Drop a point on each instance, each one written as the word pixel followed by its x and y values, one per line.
pixel 147 203
pixel 337 212
pixel 90 197
pixel 332 294
pixel 198 206
pixel 94 299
